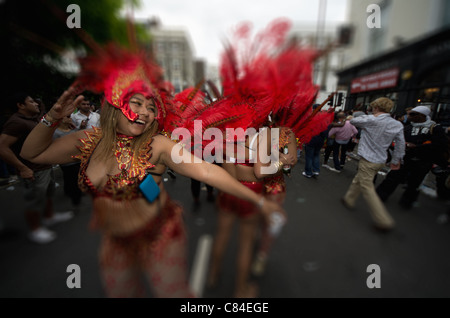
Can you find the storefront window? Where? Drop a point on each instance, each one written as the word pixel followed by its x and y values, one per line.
pixel 442 113
pixel 360 104
pixel 436 93
pixel 428 95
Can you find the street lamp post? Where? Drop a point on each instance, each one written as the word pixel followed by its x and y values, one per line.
pixel 321 22
pixel 319 32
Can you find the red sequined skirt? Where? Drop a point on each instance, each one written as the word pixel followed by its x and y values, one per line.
pixel 242 208
pixel 275 188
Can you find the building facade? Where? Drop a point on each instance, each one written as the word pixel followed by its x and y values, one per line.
pixel 172 48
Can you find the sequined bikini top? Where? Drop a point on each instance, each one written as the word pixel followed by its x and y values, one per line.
pixel 124 185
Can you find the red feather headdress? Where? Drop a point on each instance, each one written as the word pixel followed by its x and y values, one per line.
pixel 271 76
pixel 120 73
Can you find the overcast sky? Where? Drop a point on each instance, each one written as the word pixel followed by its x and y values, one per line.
pixel 208 21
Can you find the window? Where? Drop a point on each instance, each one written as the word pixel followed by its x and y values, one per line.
pixel 442 113
pixel 177 84
pixel 160 47
pixel 161 63
pixel 176 65
pixel 175 48
pixel 446 12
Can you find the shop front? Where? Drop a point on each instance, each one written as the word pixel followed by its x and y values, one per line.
pixel 416 74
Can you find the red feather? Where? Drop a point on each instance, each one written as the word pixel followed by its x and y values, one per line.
pixel 272 77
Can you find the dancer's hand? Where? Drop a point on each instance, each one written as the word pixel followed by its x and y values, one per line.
pixel 268 207
pixel 65 105
pixel 287 159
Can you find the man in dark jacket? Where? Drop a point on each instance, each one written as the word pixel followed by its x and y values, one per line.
pixel 425 145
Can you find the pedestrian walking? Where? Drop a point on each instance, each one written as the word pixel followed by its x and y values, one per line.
pixel 425 145
pixel 342 136
pixel 312 154
pixel 379 130
pixel 329 142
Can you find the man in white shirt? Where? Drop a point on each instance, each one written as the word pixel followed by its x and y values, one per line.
pixel 84 118
pixel 379 131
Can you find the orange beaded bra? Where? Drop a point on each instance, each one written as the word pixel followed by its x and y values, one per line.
pixel 124 185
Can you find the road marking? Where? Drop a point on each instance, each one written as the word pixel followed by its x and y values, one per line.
pixel 200 265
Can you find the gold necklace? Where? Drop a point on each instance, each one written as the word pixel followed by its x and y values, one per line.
pixel 123 152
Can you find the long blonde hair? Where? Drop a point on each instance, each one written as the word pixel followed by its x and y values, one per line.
pixel 108 123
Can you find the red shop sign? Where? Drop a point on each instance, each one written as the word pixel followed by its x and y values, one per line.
pixel 372 82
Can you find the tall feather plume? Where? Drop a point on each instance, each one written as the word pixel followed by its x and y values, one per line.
pixel 272 75
pixel 248 70
pixel 313 123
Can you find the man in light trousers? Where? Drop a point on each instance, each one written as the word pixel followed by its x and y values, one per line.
pixel 379 131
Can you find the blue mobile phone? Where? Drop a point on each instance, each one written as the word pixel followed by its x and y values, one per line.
pixel 149 188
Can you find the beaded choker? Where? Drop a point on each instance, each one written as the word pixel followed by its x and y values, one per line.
pixel 132 165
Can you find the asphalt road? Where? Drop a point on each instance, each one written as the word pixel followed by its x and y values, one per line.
pixel 324 251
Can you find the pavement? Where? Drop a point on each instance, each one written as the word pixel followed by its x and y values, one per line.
pixel 324 250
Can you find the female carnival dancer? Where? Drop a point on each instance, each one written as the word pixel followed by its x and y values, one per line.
pixel 275 186
pixel 280 87
pixel 275 190
pixel 140 236
pixel 246 166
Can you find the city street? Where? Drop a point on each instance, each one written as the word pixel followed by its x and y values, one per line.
pixel 324 250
